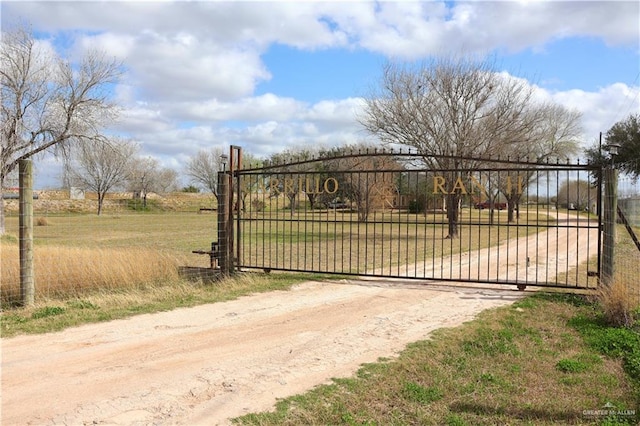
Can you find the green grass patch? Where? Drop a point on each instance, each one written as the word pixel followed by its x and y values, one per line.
pixel 523 364
pixel 614 342
pixel 423 395
pixel 47 311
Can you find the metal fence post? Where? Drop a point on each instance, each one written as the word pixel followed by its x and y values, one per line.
pixel 27 281
pixel 609 224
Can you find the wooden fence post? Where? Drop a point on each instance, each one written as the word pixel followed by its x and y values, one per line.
pixel 609 224
pixel 27 282
pixel 223 223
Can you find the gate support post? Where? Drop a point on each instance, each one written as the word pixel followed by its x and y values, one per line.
pixel 609 225
pixel 223 224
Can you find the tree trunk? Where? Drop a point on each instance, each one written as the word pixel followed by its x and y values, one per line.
pixel 100 201
pixel 2 227
pixel 453 205
pixel 292 204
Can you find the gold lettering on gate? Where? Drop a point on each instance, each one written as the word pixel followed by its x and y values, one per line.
pixel 288 186
pixel 438 184
pixel 459 185
pixel 273 185
pixel 326 186
pixel 331 185
pixel 478 185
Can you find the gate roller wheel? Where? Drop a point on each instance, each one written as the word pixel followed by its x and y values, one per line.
pixel 521 287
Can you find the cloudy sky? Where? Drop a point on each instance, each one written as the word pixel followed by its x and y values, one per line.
pixel 270 75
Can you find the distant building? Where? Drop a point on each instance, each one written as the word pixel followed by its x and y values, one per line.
pixel 76 193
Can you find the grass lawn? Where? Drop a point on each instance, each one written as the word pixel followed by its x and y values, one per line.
pixel 546 360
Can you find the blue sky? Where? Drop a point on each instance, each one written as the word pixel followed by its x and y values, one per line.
pixel 273 75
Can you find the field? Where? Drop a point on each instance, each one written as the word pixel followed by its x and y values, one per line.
pixel 80 252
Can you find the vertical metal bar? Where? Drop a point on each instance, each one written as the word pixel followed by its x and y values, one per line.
pixel 433 233
pixel 230 208
pixel 266 196
pixel 414 239
pixel 490 226
pixel 240 207
pixel 470 240
pixel 273 233
pixel 366 206
pixel 357 251
pixel 600 223
pixel 557 227
pixel 392 227
pixel 398 249
pixel 370 210
pixel 425 224
pixel 417 233
pixel 498 227
pixel 383 229
pixel 294 212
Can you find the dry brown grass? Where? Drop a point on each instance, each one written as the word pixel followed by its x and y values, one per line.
pixel 618 302
pixel 78 270
pixel 42 221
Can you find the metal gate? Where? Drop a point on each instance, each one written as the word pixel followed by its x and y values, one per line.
pixel 383 214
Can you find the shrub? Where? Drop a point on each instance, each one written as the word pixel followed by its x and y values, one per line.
pixel 616 304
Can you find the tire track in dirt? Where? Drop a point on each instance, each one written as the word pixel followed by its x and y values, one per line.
pixel 537 258
pixel 206 364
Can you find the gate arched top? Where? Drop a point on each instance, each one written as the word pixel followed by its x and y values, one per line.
pixel 483 163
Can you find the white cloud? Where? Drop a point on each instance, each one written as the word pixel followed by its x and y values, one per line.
pixel 601 109
pixel 193 67
pixel 248 109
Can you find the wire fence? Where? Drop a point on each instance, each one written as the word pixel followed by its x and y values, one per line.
pixel 627 254
pixel 134 242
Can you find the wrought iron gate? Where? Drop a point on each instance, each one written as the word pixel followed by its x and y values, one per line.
pixel 385 214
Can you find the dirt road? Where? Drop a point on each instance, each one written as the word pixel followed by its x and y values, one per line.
pixel 206 364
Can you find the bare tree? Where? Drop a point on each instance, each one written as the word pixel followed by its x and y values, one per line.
pixel 576 195
pixel 203 169
pixel 167 181
pixel 147 176
pixel 101 166
pixel 293 163
pixel 48 102
pixel 554 137
pixel 369 180
pixel 248 161
pixel 454 112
